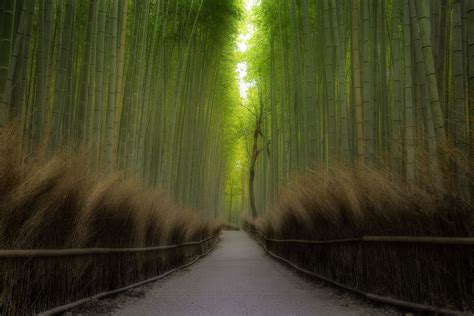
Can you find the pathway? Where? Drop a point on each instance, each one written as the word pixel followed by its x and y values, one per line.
pixel 238 279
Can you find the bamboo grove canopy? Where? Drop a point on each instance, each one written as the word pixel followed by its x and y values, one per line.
pixel 150 87
pixel 365 84
pixel 146 85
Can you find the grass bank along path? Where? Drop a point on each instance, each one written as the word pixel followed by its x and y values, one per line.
pixel 237 279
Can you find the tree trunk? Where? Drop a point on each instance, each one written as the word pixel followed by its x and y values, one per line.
pixel 253 161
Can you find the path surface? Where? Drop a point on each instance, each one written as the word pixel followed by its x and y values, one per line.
pixel 238 279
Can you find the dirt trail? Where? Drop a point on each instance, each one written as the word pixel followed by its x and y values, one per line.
pixel 236 279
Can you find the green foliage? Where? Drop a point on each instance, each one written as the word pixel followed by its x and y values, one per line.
pixel 166 114
pixel 326 108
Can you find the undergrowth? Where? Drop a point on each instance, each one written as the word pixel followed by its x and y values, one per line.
pixel 62 201
pixel 345 203
pixel 342 203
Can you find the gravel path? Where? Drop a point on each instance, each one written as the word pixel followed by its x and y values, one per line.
pixel 236 279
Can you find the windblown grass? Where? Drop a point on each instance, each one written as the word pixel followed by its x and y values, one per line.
pixel 64 202
pixel 342 203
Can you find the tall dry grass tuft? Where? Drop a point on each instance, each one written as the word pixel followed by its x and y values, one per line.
pixel 342 203
pixel 64 202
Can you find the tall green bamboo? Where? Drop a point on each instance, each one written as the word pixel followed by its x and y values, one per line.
pixel 58 109
pixel 110 116
pixel 424 20
pixel 7 9
pixel 357 83
pixel 459 89
pixel 110 74
pixel 408 98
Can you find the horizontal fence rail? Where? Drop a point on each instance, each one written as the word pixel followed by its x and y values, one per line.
pixel 69 277
pixel 398 239
pixel 32 253
pixel 67 307
pixel 362 243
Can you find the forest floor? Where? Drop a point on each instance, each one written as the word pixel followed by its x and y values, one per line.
pixel 235 279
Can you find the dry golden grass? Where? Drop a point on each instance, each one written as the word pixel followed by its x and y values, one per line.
pixel 342 203
pixel 64 202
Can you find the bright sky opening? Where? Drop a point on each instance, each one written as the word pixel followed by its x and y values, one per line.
pixel 242 46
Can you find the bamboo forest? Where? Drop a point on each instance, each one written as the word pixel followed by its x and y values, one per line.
pixel 288 157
